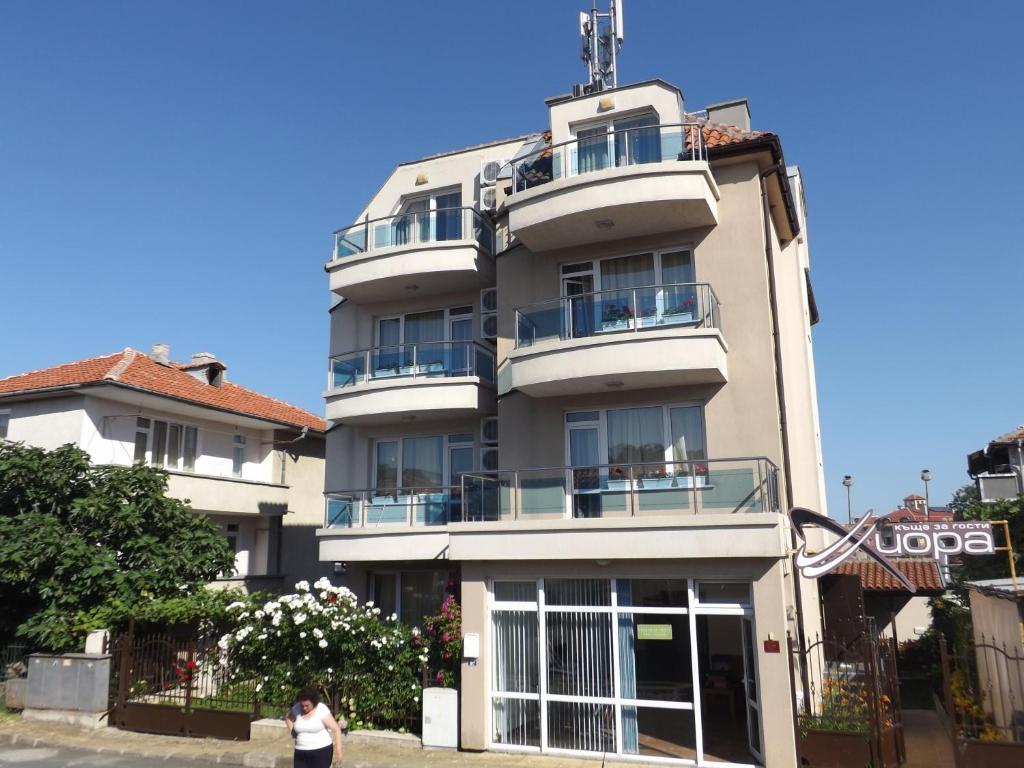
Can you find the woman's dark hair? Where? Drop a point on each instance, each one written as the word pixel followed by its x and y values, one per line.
pixel 309 693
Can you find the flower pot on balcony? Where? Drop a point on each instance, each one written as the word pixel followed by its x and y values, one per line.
pixel 620 486
pixel 616 325
pixel 676 317
pixel 651 483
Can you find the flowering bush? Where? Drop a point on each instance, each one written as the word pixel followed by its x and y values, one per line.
pixel 367 666
pixel 445 634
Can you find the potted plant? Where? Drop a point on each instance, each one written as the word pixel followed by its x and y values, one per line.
pixel 618 479
pixel 648 317
pixel 693 475
pixel 616 317
pixel 680 312
pixel 660 478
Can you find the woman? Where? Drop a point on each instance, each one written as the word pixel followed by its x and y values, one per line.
pixel 316 732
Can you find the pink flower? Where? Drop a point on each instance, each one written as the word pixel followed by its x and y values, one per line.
pixel 445 637
pixel 439 678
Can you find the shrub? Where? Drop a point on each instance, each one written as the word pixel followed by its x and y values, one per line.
pixel 367 666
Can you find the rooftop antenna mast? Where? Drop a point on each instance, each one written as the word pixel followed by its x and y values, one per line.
pixel 600 40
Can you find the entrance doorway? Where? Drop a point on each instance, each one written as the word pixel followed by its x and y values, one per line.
pixel 656 668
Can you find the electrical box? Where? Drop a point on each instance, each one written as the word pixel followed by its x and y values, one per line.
pixel 471 645
pixel 441 717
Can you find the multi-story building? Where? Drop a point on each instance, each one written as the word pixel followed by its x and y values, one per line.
pixel 572 375
pixel 253 464
pixel 998 468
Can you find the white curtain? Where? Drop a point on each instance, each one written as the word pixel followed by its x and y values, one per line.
pixel 636 435
pixel 422 462
pixel 687 434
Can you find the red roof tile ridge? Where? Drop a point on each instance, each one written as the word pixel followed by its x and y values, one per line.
pixel 128 357
pixel 93 359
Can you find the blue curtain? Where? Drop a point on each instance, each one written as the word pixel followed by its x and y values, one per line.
pixel 627 670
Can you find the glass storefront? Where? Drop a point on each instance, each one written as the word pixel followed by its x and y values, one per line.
pixel 657 668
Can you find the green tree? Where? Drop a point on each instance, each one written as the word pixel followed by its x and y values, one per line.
pixel 968 506
pixel 83 546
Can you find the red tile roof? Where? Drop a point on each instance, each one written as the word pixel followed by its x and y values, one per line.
pixel 720 134
pixel 136 369
pixel 1011 437
pixel 914 516
pixel 873 577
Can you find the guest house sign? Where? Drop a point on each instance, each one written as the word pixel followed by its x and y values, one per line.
pixel 876 540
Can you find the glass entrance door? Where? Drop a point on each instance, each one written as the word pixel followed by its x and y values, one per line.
pixel 750 690
pixel 461 330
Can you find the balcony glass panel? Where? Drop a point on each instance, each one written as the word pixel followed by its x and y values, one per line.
pixel 684 305
pixel 436 359
pixel 417 226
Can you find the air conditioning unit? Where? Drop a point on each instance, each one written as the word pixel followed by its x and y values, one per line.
pixel 489 300
pixel 489 459
pixel 489 170
pixel 489 313
pixel 488 198
pixel 489 327
pixel 489 430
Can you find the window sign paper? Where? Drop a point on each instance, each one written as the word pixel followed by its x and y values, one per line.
pixel 653 631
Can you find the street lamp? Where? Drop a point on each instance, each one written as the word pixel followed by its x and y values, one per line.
pixel 926 476
pixel 848 482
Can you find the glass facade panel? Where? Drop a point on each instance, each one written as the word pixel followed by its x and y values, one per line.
pixel 387 465
pixel 654 732
pixel 516 661
pixel 579 648
pixel 516 722
pixel 577 592
pixel 723 592
pixel 515 591
pixel 422 459
pixel 652 593
pixel 654 653
pixel 422 594
pixel 581 726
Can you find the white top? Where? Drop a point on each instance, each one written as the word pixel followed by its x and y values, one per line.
pixel 310 732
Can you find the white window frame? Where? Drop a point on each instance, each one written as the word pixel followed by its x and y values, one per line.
pixel 5 422
pixel 446 446
pixel 449 316
pixel 595 265
pixel 239 443
pixel 150 431
pixel 692 611
pixel 602 424
pixel 608 124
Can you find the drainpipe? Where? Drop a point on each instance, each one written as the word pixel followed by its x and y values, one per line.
pixel 780 394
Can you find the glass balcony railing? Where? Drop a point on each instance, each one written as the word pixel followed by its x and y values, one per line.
pixel 692 305
pixel 420 227
pixel 372 507
pixel 629 146
pixel 658 489
pixel 435 359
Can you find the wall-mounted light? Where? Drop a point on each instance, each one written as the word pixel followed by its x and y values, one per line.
pixel 421 178
pixel 340 569
pixel 606 103
pixel 604 223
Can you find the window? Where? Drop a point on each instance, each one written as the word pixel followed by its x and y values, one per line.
pixel 626 141
pixel 655 434
pixel 636 270
pixel 238 456
pixel 165 444
pixel 423 219
pixel 412 595
pixel 5 420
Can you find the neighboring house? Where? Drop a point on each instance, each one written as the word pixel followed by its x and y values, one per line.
pixel 998 469
pixel 894 611
pixel 572 376
pixel 253 464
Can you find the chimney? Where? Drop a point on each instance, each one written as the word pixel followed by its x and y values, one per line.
pixel 735 112
pixel 161 353
pixel 205 367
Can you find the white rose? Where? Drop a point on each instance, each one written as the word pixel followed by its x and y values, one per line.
pixel 302 586
pixel 322 643
pixel 302 634
pixel 298 618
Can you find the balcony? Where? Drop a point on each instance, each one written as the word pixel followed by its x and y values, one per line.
pixel 706 508
pixel 439 251
pixel 428 380
pixel 627 183
pixel 228 495
pixel 633 338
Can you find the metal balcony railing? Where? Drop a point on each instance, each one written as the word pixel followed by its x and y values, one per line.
pixel 434 359
pixel 421 227
pixel 627 146
pixel 650 489
pixel 692 305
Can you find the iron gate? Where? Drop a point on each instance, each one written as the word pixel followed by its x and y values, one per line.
pixel 848 713
pixel 166 685
pixel 983 692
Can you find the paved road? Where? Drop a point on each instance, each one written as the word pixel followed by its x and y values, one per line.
pixel 40 757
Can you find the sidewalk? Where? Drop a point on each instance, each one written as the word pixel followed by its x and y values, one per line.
pixel 359 751
pixel 928 744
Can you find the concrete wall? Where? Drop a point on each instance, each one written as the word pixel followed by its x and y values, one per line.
pixel 665 100
pixel 303 472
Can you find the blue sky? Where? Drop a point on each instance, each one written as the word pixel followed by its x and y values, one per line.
pixel 171 171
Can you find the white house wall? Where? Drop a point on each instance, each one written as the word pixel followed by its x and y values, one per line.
pixel 48 423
